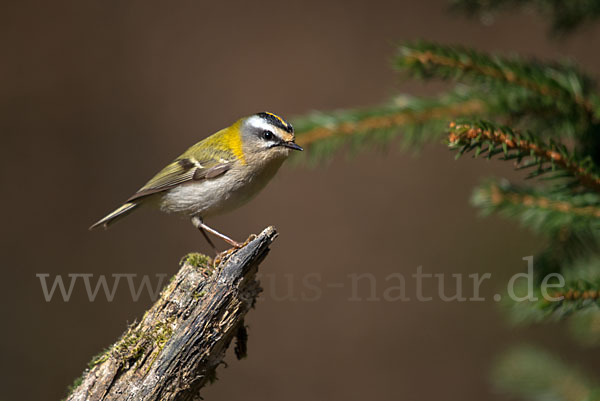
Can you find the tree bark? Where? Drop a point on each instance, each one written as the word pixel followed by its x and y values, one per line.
pixel 176 347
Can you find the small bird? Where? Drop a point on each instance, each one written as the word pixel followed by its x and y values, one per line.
pixel 218 174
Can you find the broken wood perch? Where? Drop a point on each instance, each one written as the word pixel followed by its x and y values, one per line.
pixel 176 347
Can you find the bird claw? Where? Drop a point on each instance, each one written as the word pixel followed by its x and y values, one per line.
pixel 250 238
pixel 223 256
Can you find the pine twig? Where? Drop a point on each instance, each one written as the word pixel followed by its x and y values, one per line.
pixel 498 196
pixel 570 300
pixel 557 82
pixel 387 121
pixel 574 292
pixel 472 135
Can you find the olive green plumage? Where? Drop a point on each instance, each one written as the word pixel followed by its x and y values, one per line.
pixel 217 174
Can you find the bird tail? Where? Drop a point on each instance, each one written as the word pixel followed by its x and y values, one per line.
pixel 115 215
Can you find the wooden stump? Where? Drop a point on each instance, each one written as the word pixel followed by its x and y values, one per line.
pixel 176 347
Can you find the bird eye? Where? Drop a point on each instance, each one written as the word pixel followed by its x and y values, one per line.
pixel 268 135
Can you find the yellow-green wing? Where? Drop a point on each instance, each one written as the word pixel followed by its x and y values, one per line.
pixel 183 169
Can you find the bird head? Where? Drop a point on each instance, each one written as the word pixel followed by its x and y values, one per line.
pixel 267 136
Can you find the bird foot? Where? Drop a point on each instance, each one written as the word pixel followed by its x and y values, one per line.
pixel 250 238
pixel 223 256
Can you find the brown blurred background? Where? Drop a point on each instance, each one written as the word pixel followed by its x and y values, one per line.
pixel 97 95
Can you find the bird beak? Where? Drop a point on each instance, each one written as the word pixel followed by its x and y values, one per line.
pixel 291 145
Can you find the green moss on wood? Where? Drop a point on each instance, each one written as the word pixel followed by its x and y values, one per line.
pixel 136 343
pixel 196 260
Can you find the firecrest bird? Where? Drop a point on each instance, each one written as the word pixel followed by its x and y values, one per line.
pixel 218 174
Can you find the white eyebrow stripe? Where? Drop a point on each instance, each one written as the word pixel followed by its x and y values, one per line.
pixel 258 122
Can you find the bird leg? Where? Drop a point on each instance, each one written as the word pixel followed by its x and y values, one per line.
pixel 199 224
pixel 207 238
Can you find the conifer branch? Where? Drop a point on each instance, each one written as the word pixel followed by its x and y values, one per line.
pixel 549 98
pixel 579 292
pixel 545 211
pixel 573 298
pixel 323 133
pixel 476 135
pixel 519 108
pixel 398 119
pixel 576 292
pixel 561 83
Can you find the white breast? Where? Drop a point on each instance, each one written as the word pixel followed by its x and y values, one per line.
pixel 219 195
